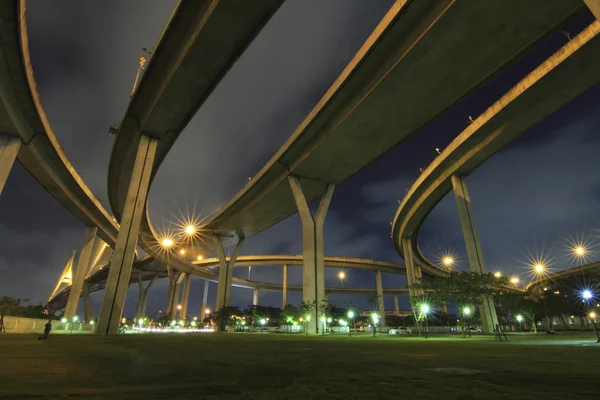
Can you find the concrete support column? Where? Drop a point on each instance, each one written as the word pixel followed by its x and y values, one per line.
pixel 185 296
pixel 83 265
pixel 313 266
pixel 255 298
pixel 225 272
pixel 284 287
pixel 594 6
pixel 9 148
pixel 396 305
pixel 476 262
pixel 124 251
pixel 143 297
pixel 413 271
pixel 175 279
pixel 204 300
pixel 380 299
pixel 87 303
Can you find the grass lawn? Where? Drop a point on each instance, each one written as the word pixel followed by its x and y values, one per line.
pixel 269 366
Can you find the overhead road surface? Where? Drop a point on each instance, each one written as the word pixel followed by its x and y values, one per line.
pixel 22 117
pixel 561 78
pixel 422 58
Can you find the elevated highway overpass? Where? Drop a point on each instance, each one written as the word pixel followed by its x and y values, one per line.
pixel 558 80
pixel 148 269
pixel 419 61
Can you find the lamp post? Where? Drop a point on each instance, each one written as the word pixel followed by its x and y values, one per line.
pixel 520 321
pixel 592 317
pixel 351 318
pixel 425 311
pixel 75 319
pixel 375 319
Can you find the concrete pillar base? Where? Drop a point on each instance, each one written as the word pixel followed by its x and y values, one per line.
pixel 380 299
pixel 225 275
pixel 473 245
pixel 284 287
pixel 185 296
pixel 144 294
pixel 313 265
pixel 124 251
pixel 84 263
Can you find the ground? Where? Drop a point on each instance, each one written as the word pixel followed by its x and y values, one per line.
pixel 270 366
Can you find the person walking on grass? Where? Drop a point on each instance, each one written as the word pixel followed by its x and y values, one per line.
pixel 498 333
pixel 47 329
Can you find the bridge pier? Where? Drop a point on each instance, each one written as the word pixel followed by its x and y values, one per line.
pixel 80 272
pixel 255 298
pixel 396 305
pixel 204 300
pixel 124 251
pixel 594 6
pixel 87 303
pixel 9 148
pixel 185 296
pixel 225 274
pixel 173 293
pixel 313 264
pixel 143 297
pixel 380 299
pixel 284 288
pixel 413 270
pixel 476 261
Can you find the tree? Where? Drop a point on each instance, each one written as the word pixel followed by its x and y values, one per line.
pixel 10 306
pixel 289 313
pixel 462 289
pixel 224 315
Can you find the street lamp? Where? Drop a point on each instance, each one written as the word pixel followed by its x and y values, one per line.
pixel 375 319
pixel 498 274
pixel 425 310
pixel 520 321
pixel 166 242
pixel 514 280
pixel 200 258
pixel 587 294
pixel 351 318
pixel 182 251
pixel 190 230
pixel 75 319
pixel 592 317
pixel 448 261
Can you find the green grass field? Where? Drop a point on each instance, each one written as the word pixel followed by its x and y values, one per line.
pixel 269 366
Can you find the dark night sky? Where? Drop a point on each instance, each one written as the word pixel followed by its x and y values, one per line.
pixel 529 198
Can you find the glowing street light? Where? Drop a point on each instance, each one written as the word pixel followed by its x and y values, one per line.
pixel 63 320
pixel 375 319
pixel 425 310
pixel 166 242
pixel 341 275
pixel 179 307
pixel 448 261
pixel 592 317
pixel 466 311
pixel 263 321
pixel 182 251
pixel 539 268
pixel 498 274
pixel 200 258
pixel 519 318
pixel 190 230
pixel 587 294
pixel 579 251
pixel 351 318
pixel 514 280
